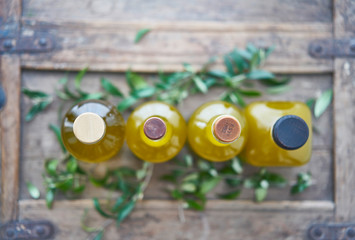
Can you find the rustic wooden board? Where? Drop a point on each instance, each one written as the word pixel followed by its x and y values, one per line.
pixel 109 46
pixel 10 135
pixel 183 10
pixel 159 220
pixel 39 142
pixel 344 115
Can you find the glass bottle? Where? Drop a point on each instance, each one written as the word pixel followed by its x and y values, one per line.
pixel 280 134
pixel 156 132
pixel 93 131
pixel 217 131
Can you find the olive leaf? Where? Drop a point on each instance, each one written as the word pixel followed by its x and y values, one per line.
pixel 140 34
pixel 33 190
pixel 323 102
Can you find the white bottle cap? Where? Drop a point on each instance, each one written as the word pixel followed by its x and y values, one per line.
pixel 89 127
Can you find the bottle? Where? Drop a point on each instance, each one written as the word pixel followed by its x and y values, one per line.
pixel 217 131
pixel 156 132
pixel 280 134
pixel 93 131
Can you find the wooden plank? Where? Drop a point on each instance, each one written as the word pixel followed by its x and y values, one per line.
pixel 344 115
pixel 182 10
pixel 40 143
pixel 10 122
pixel 10 11
pixel 109 46
pixel 159 220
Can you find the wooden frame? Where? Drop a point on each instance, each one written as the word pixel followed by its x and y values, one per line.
pixel 290 213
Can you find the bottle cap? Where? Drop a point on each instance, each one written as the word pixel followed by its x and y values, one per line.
pixel 89 127
pixel 226 129
pixel 154 128
pixel 290 132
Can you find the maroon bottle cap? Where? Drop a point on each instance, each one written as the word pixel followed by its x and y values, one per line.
pixel 227 129
pixel 154 128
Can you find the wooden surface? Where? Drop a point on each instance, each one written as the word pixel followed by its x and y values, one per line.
pixel 344 115
pixel 100 34
pixel 159 220
pixel 10 135
pixel 40 143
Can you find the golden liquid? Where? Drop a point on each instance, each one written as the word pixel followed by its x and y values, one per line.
pixel 108 145
pixel 160 150
pixel 200 131
pixel 261 150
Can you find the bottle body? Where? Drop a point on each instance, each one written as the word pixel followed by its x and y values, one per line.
pixel 264 148
pixel 156 132
pixel 204 138
pixel 93 131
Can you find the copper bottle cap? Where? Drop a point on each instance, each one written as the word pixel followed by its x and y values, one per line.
pixel 226 129
pixel 154 128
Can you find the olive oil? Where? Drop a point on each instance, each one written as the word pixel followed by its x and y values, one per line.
pixel 217 131
pixel 156 132
pixel 280 134
pixel 93 131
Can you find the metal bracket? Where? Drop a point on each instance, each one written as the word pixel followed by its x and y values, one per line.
pixel 27 230
pixel 37 42
pixel 333 231
pixel 331 48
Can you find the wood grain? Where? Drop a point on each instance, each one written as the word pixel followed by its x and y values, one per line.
pixel 40 143
pixel 344 115
pixel 10 122
pixel 109 46
pixel 159 220
pixel 182 10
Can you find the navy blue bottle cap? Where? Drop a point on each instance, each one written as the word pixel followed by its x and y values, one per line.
pixel 290 132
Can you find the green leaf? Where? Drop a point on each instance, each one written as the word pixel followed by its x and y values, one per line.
pixel 72 165
pixel 99 209
pixel 58 134
pixel 65 185
pixel 250 93
pixel 323 102
pixel 126 103
pixel 125 211
pixel 310 103
pixel 62 95
pixel 110 88
pixel 188 67
pixel 245 54
pixel 260 194
pixel 229 65
pixel 188 159
pixel 218 74
pixel 141 173
pixel 203 165
pixel 236 165
pixel 33 190
pixel 144 92
pixel 140 34
pixel 192 204
pixel 188 187
pixel 99 235
pixel 276 82
pixel 191 177
pixel 260 74
pixel 34 94
pixel 278 89
pixel 51 166
pixel 250 183
pixel 237 99
pixel 233 182
pixel 91 96
pixel 238 61
pixel 231 195
pixel 37 108
pixel 176 194
pixel 276 179
pixel 49 198
pixel 208 185
pixel 135 81
pixel 79 78
pixel 200 84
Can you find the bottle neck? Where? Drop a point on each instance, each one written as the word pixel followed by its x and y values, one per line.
pixel 156 131
pixel 223 130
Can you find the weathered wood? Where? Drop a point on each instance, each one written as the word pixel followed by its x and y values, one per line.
pixel 40 143
pixel 10 122
pixel 182 10
pixel 344 115
pixel 109 46
pixel 160 220
pixel 10 11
